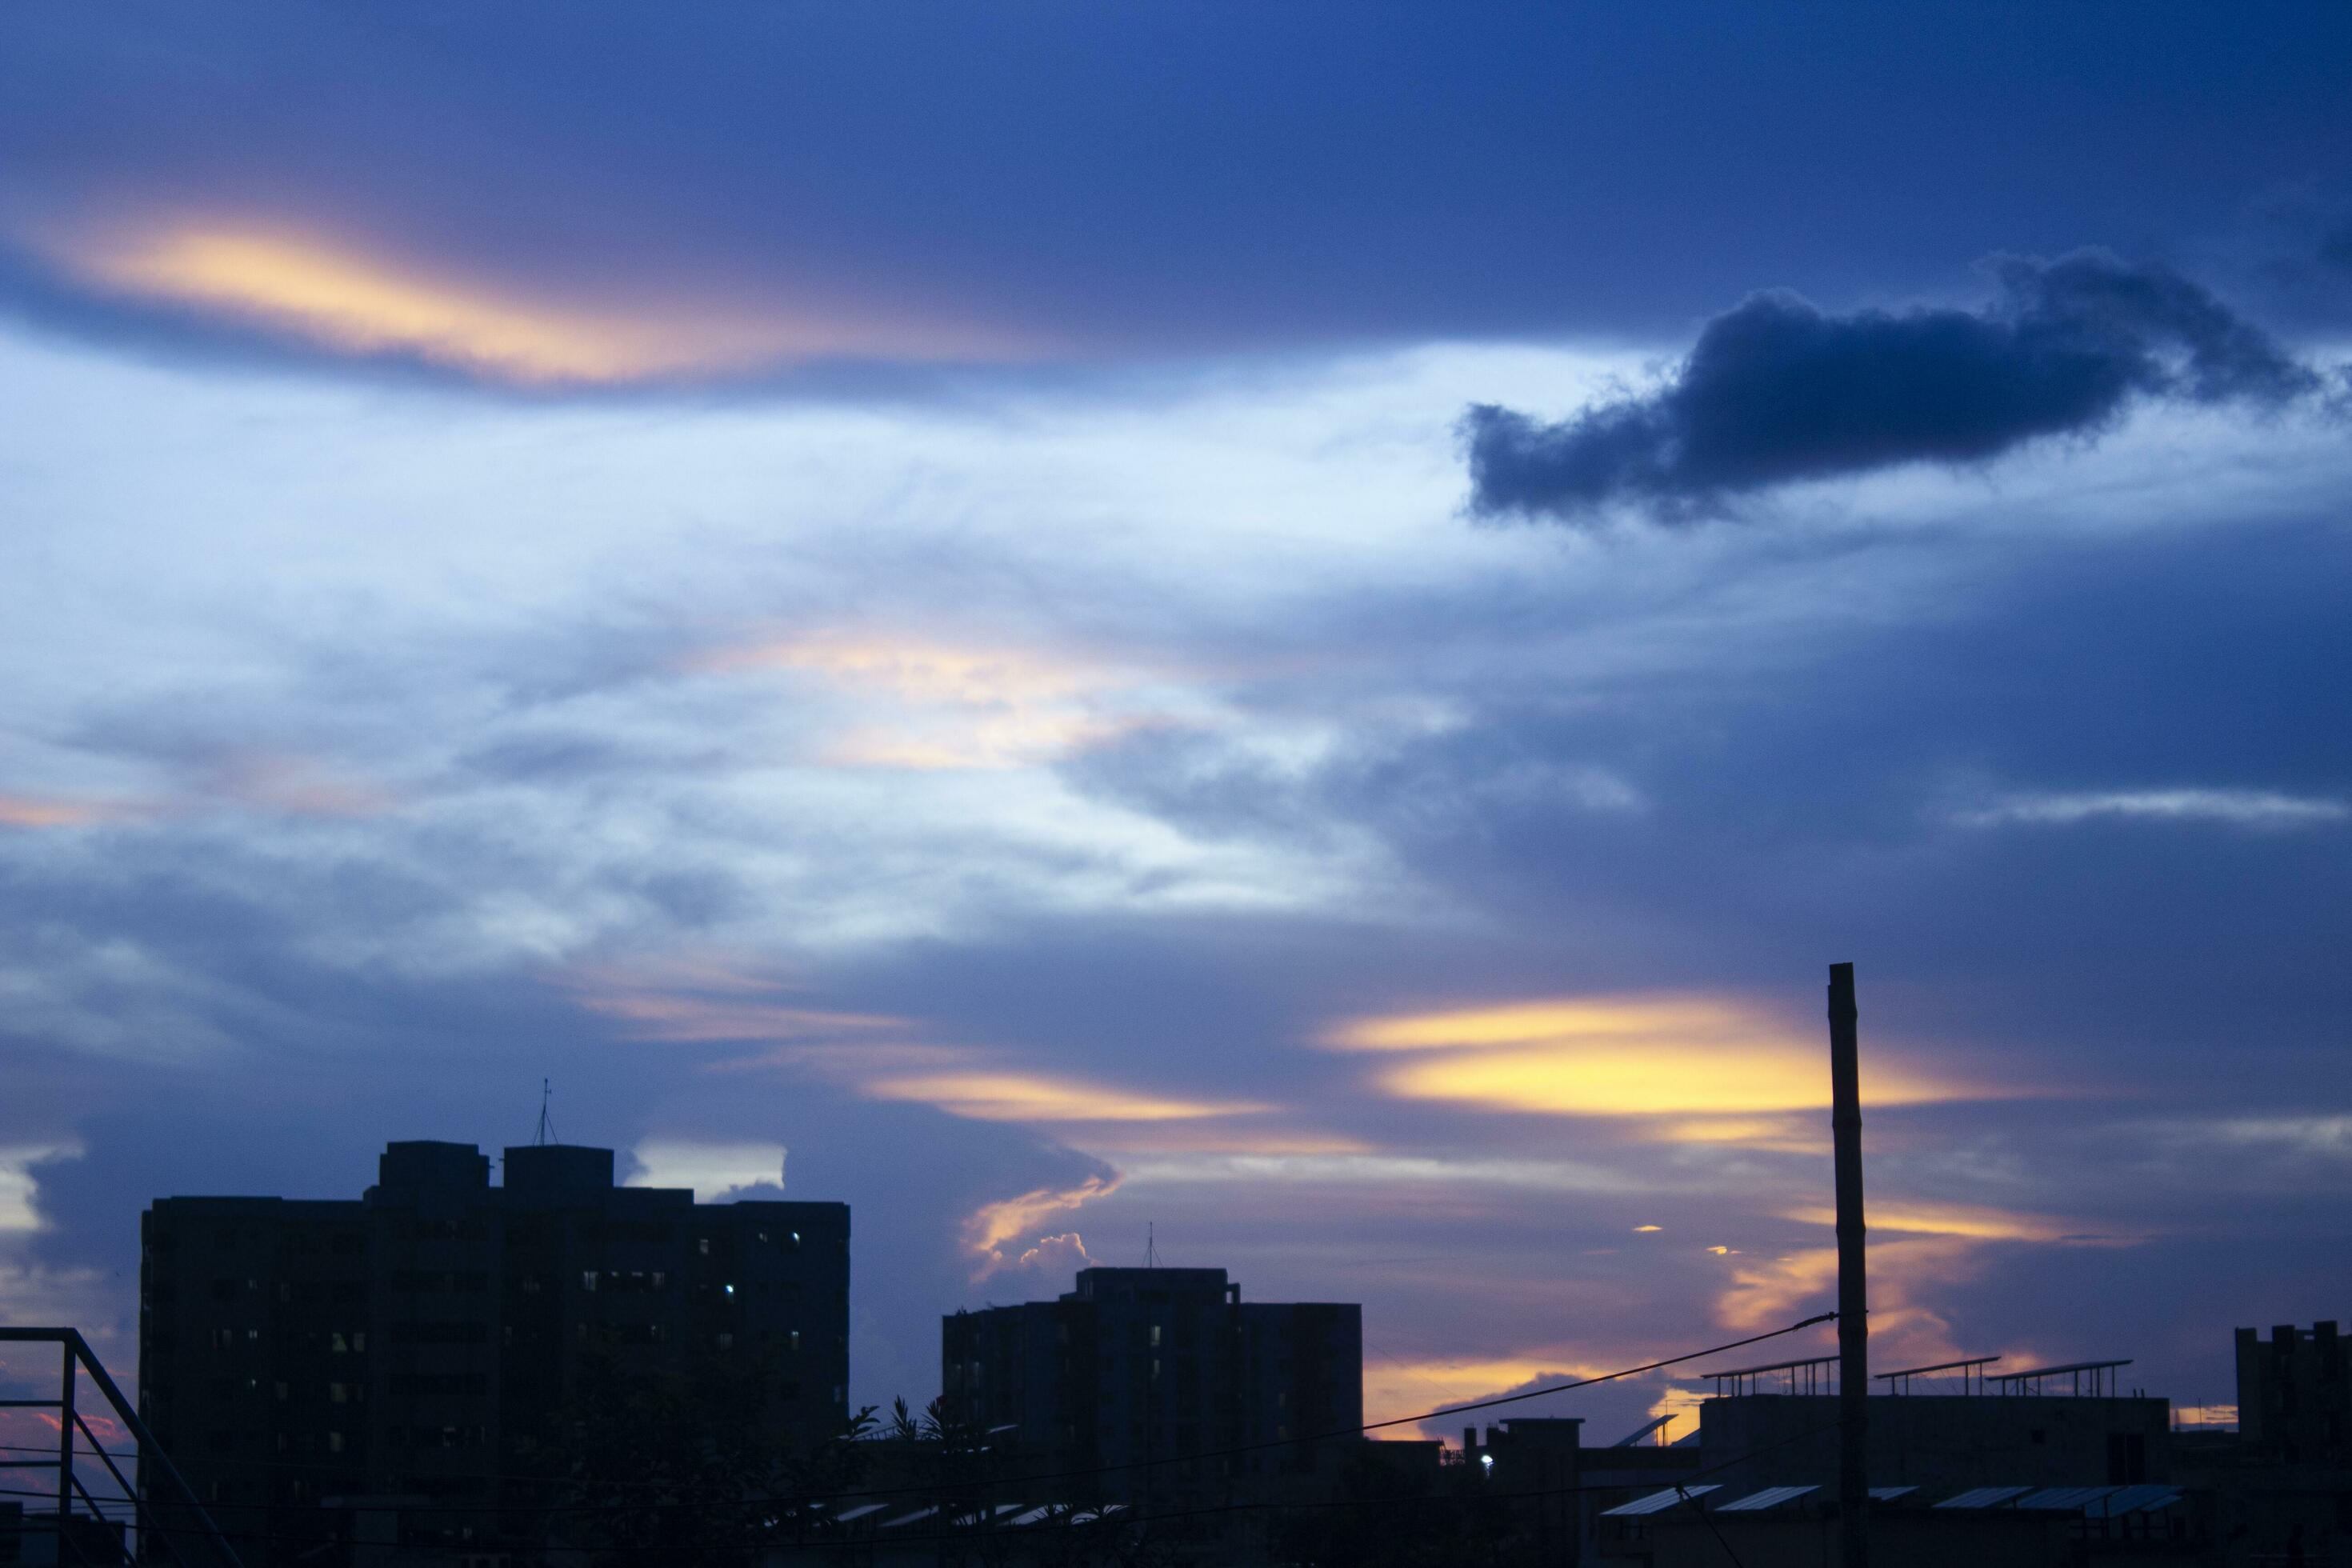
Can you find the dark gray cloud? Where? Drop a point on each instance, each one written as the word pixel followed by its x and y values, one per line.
pixel 1778 390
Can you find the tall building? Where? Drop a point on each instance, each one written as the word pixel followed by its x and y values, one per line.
pixel 2294 1394
pixel 1119 1383
pixel 419 1342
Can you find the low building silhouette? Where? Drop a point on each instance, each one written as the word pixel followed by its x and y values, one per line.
pixel 1158 1385
pixel 421 1341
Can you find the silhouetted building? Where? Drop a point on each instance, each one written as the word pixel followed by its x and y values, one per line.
pixel 2049 1426
pixel 2295 1401
pixel 1129 1377
pixel 420 1342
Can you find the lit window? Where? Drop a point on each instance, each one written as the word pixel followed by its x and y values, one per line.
pixel 588 1280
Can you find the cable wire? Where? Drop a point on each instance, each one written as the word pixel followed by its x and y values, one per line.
pixel 866 1493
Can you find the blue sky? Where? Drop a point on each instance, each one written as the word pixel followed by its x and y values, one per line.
pixel 1306 628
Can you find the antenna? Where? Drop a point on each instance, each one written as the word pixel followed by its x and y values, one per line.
pixel 1151 1245
pixel 546 1133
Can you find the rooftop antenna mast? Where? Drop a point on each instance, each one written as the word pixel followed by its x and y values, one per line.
pixel 1151 1245
pixel 546 1133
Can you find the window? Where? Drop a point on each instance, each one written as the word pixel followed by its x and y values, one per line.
pixel 588 1280
pixel 727 1342
pixel 334 1442
pixel 793 1339
pixel 702 1245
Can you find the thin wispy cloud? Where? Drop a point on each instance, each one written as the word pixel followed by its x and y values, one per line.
pixel 2252 808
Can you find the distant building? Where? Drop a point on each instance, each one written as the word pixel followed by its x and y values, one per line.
pixel 418 1343
pixel 2294 1398
pixel 1127 1376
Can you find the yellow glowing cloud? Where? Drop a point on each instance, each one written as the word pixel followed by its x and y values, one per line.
pixel 1652 1056
pixel 1024 1097
pixel 337 296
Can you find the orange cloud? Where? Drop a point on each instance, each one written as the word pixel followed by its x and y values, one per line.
pixel 1028 1097
pixel 35 811
pixel 339 294
pixel 1970 1222
pixel 991 1227
pixel 1635 1055
pixel 707 1002
pixel 704 1001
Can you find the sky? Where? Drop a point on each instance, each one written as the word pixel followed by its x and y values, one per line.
pixel 1299 630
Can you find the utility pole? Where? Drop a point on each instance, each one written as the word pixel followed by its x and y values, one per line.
pixel 1853 1293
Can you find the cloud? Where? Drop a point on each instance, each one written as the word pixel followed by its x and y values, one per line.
pixel 711 1170
pixel 39 811
pixel 2234 807
pixel 1667 1057
pixel 19 1211
pixel 1778 390
pixel 1034 1096
pixel 335 297
pixel 925 705
pixel 1007 1221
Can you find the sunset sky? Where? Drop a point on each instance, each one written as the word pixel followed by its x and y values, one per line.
pixel 1303 626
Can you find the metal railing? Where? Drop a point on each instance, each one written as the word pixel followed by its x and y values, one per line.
pixel 185 1535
